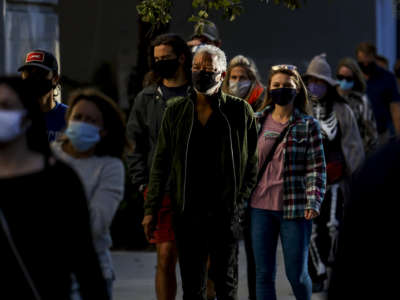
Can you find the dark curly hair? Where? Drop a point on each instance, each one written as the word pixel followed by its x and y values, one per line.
pixel 179 47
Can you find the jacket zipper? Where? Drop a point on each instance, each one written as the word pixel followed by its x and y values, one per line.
pixel 233 158
pixel 186 159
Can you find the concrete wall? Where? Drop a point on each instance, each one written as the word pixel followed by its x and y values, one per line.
pixel 97 31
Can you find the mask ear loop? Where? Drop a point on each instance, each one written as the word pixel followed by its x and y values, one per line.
pixel 56 90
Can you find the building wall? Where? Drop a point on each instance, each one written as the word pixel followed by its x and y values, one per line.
pixel 94 32
pixel 26 25
pixel 96 35
pixel 273 34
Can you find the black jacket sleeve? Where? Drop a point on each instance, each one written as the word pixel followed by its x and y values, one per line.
pixel 137 132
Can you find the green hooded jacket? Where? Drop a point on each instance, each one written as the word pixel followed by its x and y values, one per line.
pixel 240 160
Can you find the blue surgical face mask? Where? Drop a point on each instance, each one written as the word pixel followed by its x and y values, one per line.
pixel 82 136
pixel 10 124
pixel 346 85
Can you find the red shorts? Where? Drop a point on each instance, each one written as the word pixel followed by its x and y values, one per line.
pixel 164 231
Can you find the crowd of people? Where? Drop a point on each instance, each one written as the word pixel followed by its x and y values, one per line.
pixel 218 155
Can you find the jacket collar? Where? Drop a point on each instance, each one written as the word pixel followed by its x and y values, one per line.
pixel 220 96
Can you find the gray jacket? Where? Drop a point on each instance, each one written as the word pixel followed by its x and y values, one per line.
pixel 352 144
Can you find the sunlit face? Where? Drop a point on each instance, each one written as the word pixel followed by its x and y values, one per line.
pixel 345 72
pixel 282 80
pixel 201 39
pixel 365 58
pixel 39 73
pixel 9 99
pixel 204 62
pixel 10 102
pixel 86 111
pixel 32 71
pixel 238 74
pixel 163 52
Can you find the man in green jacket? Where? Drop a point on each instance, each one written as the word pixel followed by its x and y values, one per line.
pixel 207 146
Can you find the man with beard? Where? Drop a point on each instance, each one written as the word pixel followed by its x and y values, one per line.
pixel 40 68
pixel 170 77
pixel 207 147
pixel 382 91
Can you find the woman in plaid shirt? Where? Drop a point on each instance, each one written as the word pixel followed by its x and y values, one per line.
pixel 292 185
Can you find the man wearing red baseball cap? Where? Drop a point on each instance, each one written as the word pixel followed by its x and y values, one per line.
pixel 40 68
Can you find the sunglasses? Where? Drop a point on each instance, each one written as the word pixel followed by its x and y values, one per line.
pixel 342 77
pixel 284 67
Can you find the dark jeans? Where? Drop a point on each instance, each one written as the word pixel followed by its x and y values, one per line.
pixel 266 227
pixel 251 264
pixel 198 238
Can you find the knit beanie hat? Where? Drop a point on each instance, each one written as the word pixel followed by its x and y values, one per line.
pixel 320 69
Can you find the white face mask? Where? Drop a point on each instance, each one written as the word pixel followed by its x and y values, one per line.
pixel 239 88
pixel 10 124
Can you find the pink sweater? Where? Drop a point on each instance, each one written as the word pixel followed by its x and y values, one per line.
pixel 269 191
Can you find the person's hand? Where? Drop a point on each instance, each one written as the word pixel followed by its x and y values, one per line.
pixel 310 214
pixel 148 227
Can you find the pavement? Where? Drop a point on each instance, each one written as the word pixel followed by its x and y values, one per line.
pixel 135 273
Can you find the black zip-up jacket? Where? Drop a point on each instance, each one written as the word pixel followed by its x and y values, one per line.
pixel 238 146
pixel 143 127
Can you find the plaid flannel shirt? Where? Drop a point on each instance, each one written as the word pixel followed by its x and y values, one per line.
pixel 304 173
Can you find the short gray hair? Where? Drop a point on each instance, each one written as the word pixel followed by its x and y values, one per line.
pixel 216 53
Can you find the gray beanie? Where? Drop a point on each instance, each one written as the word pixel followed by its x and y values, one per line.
pixel 320 68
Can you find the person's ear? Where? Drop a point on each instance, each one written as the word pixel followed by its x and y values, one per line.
pixel 55 80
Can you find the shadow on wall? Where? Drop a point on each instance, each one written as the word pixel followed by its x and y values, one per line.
pixel 104 79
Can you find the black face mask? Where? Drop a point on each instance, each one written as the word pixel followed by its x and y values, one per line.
pixel 368 69
pixel 203 80
pixel 282 96
pixel 166 68
pixel 39 86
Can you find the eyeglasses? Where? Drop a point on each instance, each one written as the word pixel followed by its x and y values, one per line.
pixel 342 77
pixel 284 67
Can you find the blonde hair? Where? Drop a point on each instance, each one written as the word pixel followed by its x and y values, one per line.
pixel 247 64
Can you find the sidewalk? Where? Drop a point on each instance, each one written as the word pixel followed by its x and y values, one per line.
pixel 135 277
